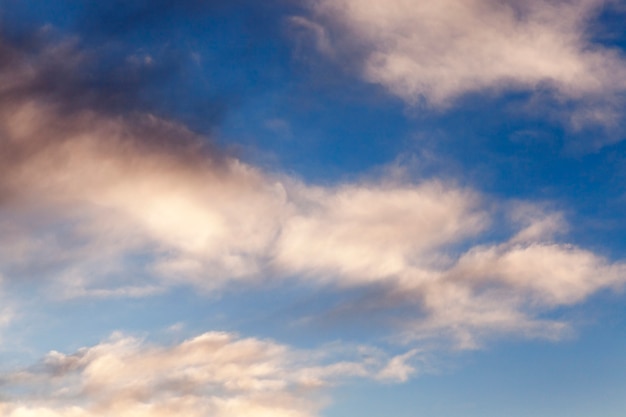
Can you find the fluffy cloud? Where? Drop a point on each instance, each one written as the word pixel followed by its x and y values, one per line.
pixel 440 50
pixel 97 205
pixel 215 374
pixel 373 232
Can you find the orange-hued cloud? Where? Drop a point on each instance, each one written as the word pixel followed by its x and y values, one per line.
pixel 215 373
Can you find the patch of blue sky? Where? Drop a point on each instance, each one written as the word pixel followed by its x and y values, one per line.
pixel 576 377
pixel 233 76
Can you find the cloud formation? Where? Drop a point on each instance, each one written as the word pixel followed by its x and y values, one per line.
pixel 215 373
pixel 437 51
pixel 97 205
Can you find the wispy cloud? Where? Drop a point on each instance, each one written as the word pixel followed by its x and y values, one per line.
pixel 97 205
pixel 435 52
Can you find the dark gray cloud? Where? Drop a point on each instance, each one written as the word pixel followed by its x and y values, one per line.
pixel 73 77
pixel 178 59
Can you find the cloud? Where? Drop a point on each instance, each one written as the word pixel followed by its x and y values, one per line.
pixel 8 309
pixel 108 75
pixel 98 205
pixel 505 288
pixel 466 293
pixel 215 373
pixel 370 232
pixel 441 50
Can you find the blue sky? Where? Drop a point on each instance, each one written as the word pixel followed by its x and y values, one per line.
pixel 312 208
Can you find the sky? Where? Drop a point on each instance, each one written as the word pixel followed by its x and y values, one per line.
pixel 312 208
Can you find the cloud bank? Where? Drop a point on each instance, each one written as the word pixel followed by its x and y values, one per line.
pixel 98 205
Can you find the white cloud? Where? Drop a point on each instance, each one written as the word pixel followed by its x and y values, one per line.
pixel 440 50
pixel 373 232
pixel 398 369
pixel 104 213
pixel 215 374
pixel 94 205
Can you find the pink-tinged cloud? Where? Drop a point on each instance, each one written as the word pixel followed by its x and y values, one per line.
pixel 434 53
pixel 439 50
pixel 97 205
pixel 215 373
